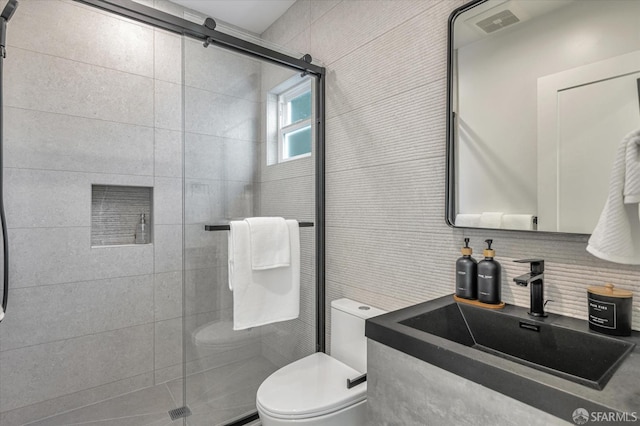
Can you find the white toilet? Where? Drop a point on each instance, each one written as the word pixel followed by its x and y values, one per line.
pixel 313 390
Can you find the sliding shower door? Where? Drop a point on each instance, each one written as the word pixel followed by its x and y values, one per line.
pixel 242 158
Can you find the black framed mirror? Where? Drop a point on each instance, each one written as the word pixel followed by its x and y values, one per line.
pixel 540 94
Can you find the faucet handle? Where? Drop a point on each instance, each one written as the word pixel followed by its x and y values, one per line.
pixel 537 265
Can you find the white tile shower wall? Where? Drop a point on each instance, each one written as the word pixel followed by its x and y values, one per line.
pixel 98 103
pixel 387 242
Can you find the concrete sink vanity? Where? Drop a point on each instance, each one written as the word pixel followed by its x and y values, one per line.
pixel 441 361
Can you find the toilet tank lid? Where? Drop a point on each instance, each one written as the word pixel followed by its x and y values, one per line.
pixel 361 310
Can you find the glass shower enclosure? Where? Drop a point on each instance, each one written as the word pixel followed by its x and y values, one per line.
pixel 125 112
pixel 233 169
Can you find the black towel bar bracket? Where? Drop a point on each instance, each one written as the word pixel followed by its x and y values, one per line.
pixel 227 227
pixel 356 381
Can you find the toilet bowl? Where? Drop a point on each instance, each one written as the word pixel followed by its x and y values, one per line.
pixel 313 390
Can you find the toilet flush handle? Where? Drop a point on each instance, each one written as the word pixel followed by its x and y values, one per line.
pixel 355 382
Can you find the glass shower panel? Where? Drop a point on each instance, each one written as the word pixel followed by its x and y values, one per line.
pixel 230 123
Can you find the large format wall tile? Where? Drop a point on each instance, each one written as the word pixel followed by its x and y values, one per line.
pixel 54 369
pixel 215 114
pixel 217 158
pixel 167 295
pixel 168 153
pixel 42 198
pixel 221 71
pixel 167 56
pixel 47 83
pixel 204 201
pixel 168 105
pixel 167 241
pixel 45 198
pixel 56 312
pixel 42 256
pixel 207 290
pixel 167 343
pixel 204 249
pixel 167 201
pixel 84 35
pixel 42 140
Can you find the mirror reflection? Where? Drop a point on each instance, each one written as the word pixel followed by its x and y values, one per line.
pixel 541 94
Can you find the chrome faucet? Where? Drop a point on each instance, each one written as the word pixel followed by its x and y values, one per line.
pixel 536 278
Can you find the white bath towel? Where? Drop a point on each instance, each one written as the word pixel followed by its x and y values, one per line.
pixel 270 246
pixel 491 219
pixel 616 237
pixel 262 296
pixel 467 219
pixel 518 221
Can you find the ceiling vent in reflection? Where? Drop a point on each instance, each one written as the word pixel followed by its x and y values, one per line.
pixel 497 21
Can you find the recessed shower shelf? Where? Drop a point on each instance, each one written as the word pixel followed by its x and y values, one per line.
pixel 227 227
pixel 116 212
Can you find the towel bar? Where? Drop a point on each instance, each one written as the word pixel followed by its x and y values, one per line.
pixel 227 227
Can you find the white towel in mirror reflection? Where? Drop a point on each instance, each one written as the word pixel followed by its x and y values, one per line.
pixel 497 220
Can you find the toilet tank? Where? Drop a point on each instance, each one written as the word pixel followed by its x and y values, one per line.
pixel 348 342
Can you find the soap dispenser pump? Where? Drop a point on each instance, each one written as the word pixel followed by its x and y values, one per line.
pixel 489 280
pixel 467 274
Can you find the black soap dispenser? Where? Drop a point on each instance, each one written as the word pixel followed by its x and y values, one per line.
pixel 489 280
pixel 467 274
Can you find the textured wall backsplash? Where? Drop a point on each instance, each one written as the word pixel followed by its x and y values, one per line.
pixel 387 241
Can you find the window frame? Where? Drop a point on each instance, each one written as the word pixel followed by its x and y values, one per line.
pixel 284 112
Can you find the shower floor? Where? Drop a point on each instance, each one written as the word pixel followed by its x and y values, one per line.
pixel 214 396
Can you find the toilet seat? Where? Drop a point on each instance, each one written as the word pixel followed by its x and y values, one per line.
pixel 310 387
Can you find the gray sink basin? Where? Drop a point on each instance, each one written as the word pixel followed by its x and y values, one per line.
pixel 580 356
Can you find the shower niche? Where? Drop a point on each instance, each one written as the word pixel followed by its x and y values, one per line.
pixel 121 215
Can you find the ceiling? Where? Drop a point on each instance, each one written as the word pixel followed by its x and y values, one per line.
pixel 251 15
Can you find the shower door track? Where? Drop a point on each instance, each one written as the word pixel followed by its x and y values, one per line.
pixel 159 19
pixel 166 21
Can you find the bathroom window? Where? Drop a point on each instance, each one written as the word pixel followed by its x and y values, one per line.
pixel 292 103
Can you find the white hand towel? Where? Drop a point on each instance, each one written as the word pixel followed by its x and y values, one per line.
pixel 517 221
pixel 491 219
pixel 270 245
pixel 469 220
pixel 262 296
pixel 616 237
